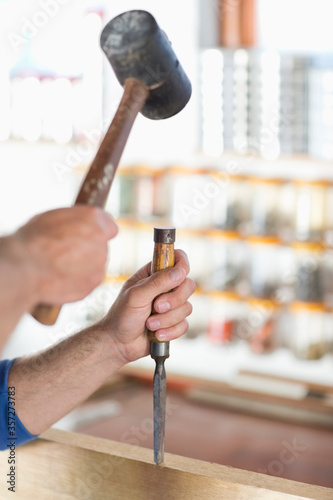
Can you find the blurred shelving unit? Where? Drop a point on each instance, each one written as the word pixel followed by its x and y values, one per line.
pixel 262 273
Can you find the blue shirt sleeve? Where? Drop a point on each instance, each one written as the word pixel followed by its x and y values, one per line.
pixel 12 431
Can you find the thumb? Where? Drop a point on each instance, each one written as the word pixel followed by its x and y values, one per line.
pixel 145 291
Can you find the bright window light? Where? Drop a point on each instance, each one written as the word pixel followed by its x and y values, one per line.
pixel 212 102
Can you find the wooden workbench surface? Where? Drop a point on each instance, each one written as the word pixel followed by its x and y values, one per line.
pixel 67 466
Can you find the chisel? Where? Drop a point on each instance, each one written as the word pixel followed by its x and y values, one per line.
pixel 163 258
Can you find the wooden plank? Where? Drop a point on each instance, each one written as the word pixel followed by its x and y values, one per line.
pixel 311 386
pixel 67 466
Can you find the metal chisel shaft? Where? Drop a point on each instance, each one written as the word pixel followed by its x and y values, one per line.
pixel 163 258
pixel 159 398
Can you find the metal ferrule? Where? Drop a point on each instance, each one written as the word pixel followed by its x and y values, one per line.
pixel 164 234
pixel 159 349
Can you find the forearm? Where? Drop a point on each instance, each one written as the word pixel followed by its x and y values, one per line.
pixel 50 384
pixel 18 292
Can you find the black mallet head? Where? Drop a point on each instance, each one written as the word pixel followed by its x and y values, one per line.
pixel 137 48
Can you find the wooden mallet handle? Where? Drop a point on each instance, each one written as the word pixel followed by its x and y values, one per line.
pixel 98 181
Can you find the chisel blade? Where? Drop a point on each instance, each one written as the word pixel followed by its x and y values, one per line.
pixel 159 399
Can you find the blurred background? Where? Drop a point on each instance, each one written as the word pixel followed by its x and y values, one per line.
pixel 244 172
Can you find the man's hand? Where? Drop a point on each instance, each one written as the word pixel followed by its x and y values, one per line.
pixel 129 317
pixel 91 356
pixel 64 252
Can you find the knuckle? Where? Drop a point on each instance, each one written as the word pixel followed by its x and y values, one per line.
pixel 185 262
pixel 193 285
pixel 85 213
pixel 178 329
pixel 130 295
pixel 183 327
pixel 156 279
pixel 91 211
pixel 189 308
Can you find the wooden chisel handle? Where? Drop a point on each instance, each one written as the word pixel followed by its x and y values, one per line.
pixel 98 181
pixel 163 258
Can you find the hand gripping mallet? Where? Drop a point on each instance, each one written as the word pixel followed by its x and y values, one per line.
pixel 154 84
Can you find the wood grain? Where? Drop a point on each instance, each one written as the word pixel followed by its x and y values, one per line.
pixel 97 183
pixel 67 466
pixel 163 258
